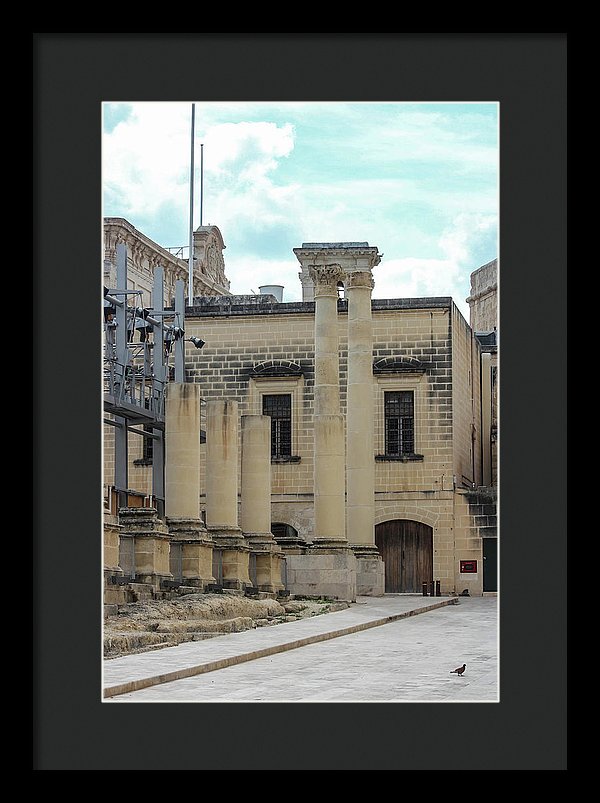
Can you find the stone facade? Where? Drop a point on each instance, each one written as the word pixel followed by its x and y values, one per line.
pixel 257 346
pixel 144 255
pixel 483 304
pixel 483 298
pixel 422 345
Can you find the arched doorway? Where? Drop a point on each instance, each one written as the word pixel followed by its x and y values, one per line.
pixel 283 531
pixel 407 551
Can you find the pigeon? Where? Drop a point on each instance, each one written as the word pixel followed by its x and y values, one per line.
pixel 459 670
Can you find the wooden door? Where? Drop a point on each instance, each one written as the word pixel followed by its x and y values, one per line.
pixel 407 551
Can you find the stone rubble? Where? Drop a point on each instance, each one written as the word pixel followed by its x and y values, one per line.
pixel 152 624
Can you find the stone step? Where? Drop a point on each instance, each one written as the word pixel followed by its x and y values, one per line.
pixel 141 588
pixel 116 595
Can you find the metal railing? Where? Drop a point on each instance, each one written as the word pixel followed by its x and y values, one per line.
pixel 180 251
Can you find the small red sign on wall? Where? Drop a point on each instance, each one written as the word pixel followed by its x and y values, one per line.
pixel 468 567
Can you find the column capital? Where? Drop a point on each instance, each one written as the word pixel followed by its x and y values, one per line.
pixel 359 278
pixel 326 278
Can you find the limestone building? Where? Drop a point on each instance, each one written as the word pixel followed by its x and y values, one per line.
pixel 144 255
pixel 376 440
pixel 483 306
pixel 483 298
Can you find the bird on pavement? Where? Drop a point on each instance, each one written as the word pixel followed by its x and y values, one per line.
pixel 459 670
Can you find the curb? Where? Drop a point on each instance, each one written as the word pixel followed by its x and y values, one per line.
pixel 211 666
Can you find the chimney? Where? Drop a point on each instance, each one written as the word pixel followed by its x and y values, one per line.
pixel 273 290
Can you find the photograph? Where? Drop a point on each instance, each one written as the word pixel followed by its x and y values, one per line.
pixel 300 401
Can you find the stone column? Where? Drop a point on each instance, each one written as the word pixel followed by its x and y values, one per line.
pixel 308 286
pixel 329 468
pixel 256 501
pixel 192 565
pixel 222 491
pixel 360 465
pixel 359 418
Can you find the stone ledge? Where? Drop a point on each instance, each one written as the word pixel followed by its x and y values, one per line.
pixel 399 458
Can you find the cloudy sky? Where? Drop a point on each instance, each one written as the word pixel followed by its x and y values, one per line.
pixel 420 181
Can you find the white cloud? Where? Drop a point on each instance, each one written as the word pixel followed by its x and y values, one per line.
pixel 416 278
pixel 146 161
pixel 422 190
pixel 467 230
pixel 247 274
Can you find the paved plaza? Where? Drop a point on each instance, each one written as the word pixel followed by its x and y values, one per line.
pixel 408 658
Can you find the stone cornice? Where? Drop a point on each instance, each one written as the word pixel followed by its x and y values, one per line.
pixel 123 231
pixel 486 291
pixel 328 252
pixel 118 229
pixel 350 257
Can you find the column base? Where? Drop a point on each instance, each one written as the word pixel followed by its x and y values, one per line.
pixel 323 573
pixel 191 552
pixel 329 545
pixel 268 556
pixel 293 545
pixel 153 579
pixel 144 546
pixel 112 531
pixel 370 570
pixel 234 557
pixel 365 550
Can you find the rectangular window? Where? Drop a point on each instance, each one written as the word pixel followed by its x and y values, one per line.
pixel 279 407
pixel 399 422
pixel 148 450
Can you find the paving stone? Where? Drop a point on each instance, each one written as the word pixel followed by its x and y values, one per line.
pixel 408 660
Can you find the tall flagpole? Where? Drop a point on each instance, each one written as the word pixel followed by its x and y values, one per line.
pixel 191 243
pixel 201 179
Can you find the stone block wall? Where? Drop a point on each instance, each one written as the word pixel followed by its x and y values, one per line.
pixel 239 339
pixel 483 298
pixel 327 575
pixel 422 335
pixel 440 364
pixel 475 519
pixel 466 403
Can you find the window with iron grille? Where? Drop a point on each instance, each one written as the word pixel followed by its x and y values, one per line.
pixel 148 448
pixel 399 422
pixel 279 407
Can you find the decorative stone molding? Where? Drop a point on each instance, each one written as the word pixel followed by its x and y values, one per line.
pixel 144 256
pixel 276 368
pixel 395 365
pixel 325 278
pixel 350 257
pixel 208 254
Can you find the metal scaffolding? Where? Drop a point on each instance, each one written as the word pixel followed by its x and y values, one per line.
pixel 135 374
